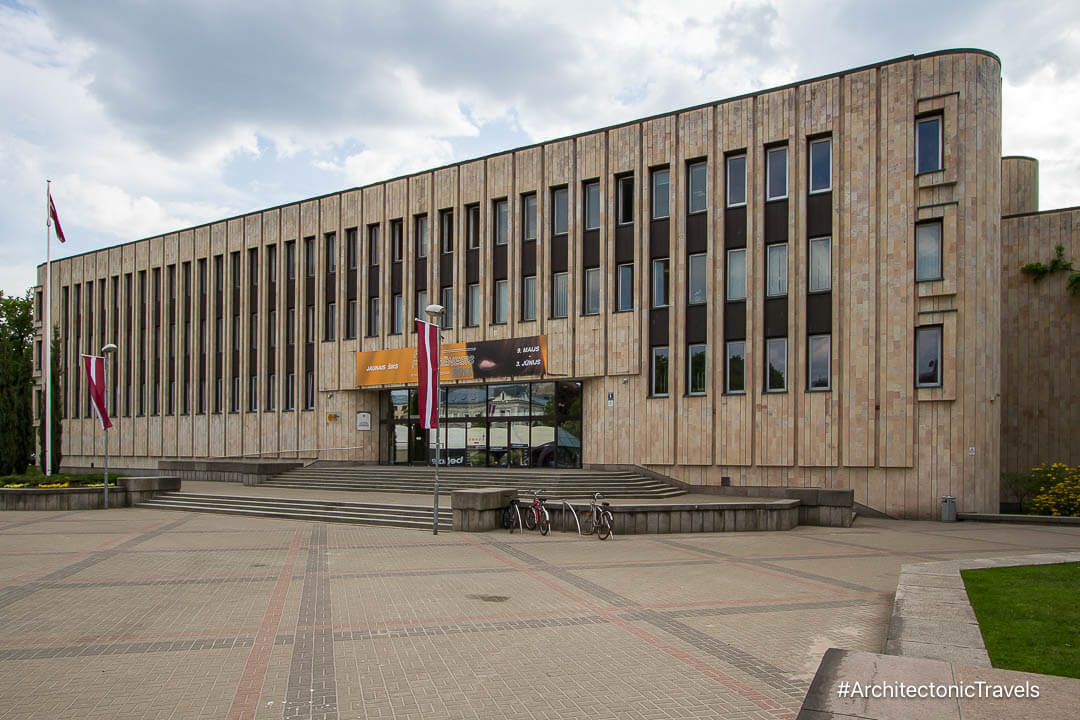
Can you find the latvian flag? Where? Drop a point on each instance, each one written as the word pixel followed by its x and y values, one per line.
pixel 95 382
pixel 427 368
pixel 56 221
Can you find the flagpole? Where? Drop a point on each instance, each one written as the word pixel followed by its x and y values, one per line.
pixel 438 355
pixel 47 332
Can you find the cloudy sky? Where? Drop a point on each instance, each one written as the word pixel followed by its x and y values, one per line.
pixel 153 116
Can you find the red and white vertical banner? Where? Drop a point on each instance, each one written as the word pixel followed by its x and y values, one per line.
pixel 95 383
pixel 427 367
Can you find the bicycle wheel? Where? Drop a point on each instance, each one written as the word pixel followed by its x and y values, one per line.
pixel 530 518
pixel 545 521
pixel 603 528
pixel 588 525
pixel 508 518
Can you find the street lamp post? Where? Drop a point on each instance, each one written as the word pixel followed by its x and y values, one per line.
pixel 106 352
pixel 435 313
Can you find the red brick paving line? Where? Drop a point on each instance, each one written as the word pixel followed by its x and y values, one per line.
pixel 246 700
pixel 762 701
pixel 74 557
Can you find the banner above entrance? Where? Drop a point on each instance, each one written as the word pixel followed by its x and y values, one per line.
pixel 514 357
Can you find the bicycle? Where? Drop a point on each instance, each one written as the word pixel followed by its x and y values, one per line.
pixel 598 519
pixel 512 515
pixel 536 515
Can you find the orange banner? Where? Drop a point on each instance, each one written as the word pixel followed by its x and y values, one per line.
pixel 513 357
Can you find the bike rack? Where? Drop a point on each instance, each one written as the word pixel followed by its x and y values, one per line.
pixel 572 512
pixel 521 525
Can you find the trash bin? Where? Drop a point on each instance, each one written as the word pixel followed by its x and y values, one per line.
pixel 948 509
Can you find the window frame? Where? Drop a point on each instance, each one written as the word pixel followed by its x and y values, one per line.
pixel 728 390
pixel 555 278
pixel 691 260
pixel 811 190
pixel 592 202
pixel 446 231
pixel 501 312
pixel 501 221
pixel 656 173
pixel 472 226
pixel 373 245
pixel 769 251
pixel 769 153
pixel 939 118
pixel 810 363
pixel 703 349
pixel 940 225
pixel 810 288
pixel 690 166
pixel 420 234
pixel 528 298
pixel 937 330
pixel 472 305
pixel 620 286
pixel 655 351
pixel 397 314
pixel 667 282
pixel 591 283
pixel 741 252
pixel 528 219
pixel 446 294
pixel 769 342
pixel 560 208
pixel 621 181
pixel 727 180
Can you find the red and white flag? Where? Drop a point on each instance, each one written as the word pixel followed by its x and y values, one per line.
pixel 56 221
pixel 427 369
pixel 95 382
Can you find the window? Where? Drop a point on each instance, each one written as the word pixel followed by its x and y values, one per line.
pixel 373 317
pixel 821 165
pixel 448 308
pixel 696 271
pixel 776 171
pixel 350 320
pixel 558 211
pixel 373 245
pixel 928 145
pixel 421 306
pixel 309 325
pixel 234 398
pixel 592 291
pixel 660 282
pixel 820 265
pixel 819 361
pixel 592 206
pixel 253 394
pixel 928 251
pixel 697 187
pixel 472 305
pixel 331 253
pixel 736 180
pixel 559 295
pixel 776 268
pixel 735 375
pixel 397 310
pixel 309 390
pixel 624 298
pixel 309 257
pixel 290 260
pixel 776 372
pixel 736 274
pixel 446 231
pixel 661 194
pixel 695 369
pixel 659 372
pixel 502 222
pixel 626 199
pixel 271 329
pixel 397 241
pixel 528 220
pixel 528 298
pixel 290 327
pixel 271 392
pixel 290 391
pixel 472 226
pixel 351 249
pixel 331 321
pixel 501 301
pixel 928 356
pixel 420 230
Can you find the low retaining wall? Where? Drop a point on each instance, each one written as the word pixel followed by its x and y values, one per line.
pixel 479 509
pixel 828 507
pixel 131 490
pixel 248 472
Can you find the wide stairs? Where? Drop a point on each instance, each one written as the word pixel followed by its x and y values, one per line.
pixel 555 484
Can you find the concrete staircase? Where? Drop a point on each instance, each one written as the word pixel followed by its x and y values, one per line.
pixel 556 484
pixel 410 516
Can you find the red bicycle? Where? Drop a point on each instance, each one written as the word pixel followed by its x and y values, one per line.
pixel 536 515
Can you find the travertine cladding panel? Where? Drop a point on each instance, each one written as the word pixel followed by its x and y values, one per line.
pixel 1019 185
pixel 899 448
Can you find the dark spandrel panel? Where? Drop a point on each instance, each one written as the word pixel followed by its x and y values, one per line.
pixel 697 323
pixel 776 222
pixel 528 258
pixel 819 214
pixel 735 227
pixel 498 262
pixel 420 274
pixel 659 238
pixel 472 266
pixel 658 326
pixel 819 313
pixel 734 320
pixel 590 248
pixel 776 317
pixel 395 277
pixel 446 269
pixel 373 283
pixel 559 253
pixel 624 244
pixel 697 232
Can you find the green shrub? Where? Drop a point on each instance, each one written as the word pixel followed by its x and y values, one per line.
pixel 1059 490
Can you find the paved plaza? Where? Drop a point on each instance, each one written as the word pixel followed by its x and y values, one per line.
pixel 138 613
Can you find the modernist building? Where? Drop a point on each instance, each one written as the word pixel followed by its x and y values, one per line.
pixel 800 286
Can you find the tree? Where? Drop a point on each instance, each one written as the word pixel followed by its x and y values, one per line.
pixel 57 408
pixel 16 384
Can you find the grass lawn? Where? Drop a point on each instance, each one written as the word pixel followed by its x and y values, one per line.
pixel 1029 616
pixel 33 477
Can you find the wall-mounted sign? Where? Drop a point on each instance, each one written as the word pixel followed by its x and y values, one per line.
pixel 514 357
pixel 363 421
